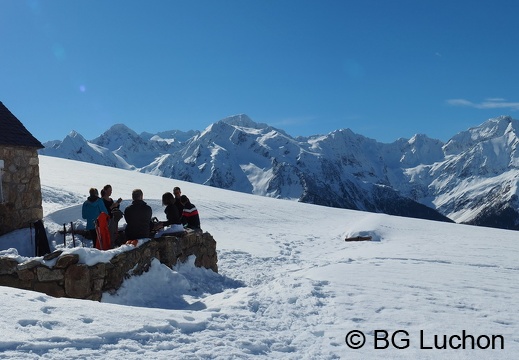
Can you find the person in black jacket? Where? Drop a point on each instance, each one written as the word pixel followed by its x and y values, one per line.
pixel 190 216
pixel 178 203
pixel 138 217
pixel 172 215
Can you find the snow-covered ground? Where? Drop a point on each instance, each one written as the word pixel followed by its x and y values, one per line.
pixel 289 286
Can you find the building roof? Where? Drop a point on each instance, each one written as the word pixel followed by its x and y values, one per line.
pixel 12 131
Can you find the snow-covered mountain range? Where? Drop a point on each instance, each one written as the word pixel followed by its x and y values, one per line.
pixel 472 178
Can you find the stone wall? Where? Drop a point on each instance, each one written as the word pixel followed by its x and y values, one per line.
pixel 21 188
pixel 69 278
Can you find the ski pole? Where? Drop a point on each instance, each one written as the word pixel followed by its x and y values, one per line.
pixel 64 235
pixel 72 230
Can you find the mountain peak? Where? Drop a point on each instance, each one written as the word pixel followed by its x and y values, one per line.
pixel 490 129
pixel 418 138
pixel 119 128
pixel 75 135
pixel 243 121
pixel 117 135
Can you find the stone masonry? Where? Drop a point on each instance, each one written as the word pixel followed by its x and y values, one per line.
pixel 21 188
pixel 69 278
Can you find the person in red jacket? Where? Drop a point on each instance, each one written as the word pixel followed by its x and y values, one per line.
pixel 190 217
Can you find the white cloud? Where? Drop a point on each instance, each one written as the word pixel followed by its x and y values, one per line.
pixel 459 102
pixel 490 103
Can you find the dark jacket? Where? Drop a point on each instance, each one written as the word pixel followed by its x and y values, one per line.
pixel 179 206
pixel 108 205
pixel 190 216
pixel 138 220
pixel 172 215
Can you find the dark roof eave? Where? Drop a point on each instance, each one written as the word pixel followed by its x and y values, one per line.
pixel 13 133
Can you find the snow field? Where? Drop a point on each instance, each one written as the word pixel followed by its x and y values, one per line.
pixel 289 286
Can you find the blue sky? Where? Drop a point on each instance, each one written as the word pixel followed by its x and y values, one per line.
pixel 384 69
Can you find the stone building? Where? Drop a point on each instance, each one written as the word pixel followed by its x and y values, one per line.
pixel 20 188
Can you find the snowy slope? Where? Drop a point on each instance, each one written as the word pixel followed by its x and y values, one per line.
pixel 289 286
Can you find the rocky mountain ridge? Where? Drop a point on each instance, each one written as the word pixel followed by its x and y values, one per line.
pixel 472 178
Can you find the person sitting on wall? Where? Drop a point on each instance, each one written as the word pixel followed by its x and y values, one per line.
pixel 178 203
pixel 138 217
pixel 172 216
pixel 92 207
pixel 114 212
pixel 190 217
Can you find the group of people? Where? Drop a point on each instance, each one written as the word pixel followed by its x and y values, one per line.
pixel 180 214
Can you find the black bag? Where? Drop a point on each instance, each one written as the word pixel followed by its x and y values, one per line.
pixel 40 235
